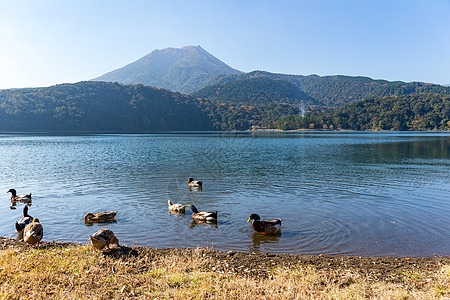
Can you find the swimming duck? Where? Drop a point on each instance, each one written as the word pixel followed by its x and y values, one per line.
pixel 266 226
pixel 101 217
pixel 194 183
pixel 203 216
pixel 26 219
pixel 176 208
pixel 14 197
pixel 33 233
pixel 103 238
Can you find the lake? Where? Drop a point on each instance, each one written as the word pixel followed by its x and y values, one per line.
pixel 350 193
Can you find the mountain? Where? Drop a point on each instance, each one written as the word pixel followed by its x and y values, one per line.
pixel 183 70
pixel 99 106
pixel 330 91
pixel 192 70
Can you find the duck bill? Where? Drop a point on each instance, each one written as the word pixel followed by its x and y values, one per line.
pixel 248 220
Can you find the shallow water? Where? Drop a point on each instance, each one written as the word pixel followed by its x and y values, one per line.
pixel 336 193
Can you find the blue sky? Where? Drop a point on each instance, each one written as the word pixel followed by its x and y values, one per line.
pixel 47 42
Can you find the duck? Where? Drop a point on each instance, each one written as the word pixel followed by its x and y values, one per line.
pixel 176 208
pixel 194 183
pixel 22 198
pixel 103 238
pixel 101 217
pixel 203 216
pixel 33 233
pixel 265 226
pixel 26 219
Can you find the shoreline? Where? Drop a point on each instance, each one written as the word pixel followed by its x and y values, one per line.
pixel 65 270
pixel 262 263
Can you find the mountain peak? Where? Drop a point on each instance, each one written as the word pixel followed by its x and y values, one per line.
pixel 185 69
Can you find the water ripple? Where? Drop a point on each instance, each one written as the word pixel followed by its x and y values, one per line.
pixel 360 194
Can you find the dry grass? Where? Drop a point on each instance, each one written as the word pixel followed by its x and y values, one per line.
pixel 76 272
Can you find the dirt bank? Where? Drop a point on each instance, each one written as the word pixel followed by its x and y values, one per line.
pixel 391 269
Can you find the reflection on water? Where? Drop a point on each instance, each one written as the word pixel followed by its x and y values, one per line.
pixel 90 224
pixel 15 203
pixel 203 223
pixel 195 188
pixel 260 238
pixel 337 193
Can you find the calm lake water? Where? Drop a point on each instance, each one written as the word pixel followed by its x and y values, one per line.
pixel 368 194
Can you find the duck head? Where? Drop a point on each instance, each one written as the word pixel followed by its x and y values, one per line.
pixel 255 217
pixel 88 216
pixel 193 208
pixel 12 191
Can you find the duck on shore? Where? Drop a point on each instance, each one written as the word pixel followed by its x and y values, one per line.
pixel 33 233
pixel 265 226
pixel 24 221
pixel 103 238
pixel 101 217
pixel 203 216
pixel 21 198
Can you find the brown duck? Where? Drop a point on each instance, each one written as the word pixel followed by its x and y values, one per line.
pixel 176 208
pixel 194 183
pixel 21 198
pixel 103 238
pixel 101 217
pixel 33 233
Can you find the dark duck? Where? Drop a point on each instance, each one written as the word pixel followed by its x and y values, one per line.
pixel 265 226
pixel 26 219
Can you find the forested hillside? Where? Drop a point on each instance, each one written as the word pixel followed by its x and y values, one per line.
pixel 410 112
pixel 226 116
pixel 99 106
pixel 256 90
pixel 330 91
pixel 407 112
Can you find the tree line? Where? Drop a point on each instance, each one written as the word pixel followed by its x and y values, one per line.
pixel 400 113
pixel 102 106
